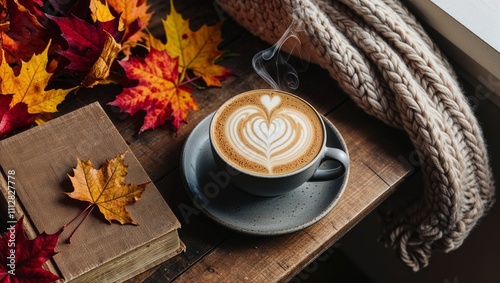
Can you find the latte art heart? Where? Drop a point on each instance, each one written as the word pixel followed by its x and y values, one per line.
pixel 267 132
pixel 269 138
pixel 270 102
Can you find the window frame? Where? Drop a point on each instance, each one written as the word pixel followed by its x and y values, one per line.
pixel 463 29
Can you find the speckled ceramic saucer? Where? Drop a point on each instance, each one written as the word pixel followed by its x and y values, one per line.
pixel 209 188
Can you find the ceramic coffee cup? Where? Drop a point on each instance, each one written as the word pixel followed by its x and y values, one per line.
pixel 273 142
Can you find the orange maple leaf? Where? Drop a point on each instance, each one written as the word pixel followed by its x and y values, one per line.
pixel 159 91
pixel 135 17
pixel 196 50
pixel 105 188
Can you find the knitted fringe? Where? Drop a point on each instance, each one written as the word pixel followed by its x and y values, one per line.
pixel 385 61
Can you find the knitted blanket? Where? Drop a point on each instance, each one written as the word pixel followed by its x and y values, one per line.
pixel 387 64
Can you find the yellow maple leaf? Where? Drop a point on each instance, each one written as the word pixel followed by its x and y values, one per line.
pixel 105 188
pixel 29 85
pixel 196 50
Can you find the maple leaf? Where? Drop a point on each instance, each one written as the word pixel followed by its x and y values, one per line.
pixel 22 35
pixel 29 86
pixel 91 47
pixel 135 17
pixel 21 259
pixel 15 117
pixel 105 188
pixel 196 50
pixel 159 92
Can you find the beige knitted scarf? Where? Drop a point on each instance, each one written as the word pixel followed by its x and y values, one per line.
pixel 388 65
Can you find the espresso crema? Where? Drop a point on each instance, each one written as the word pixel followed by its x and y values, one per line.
pixel 267 132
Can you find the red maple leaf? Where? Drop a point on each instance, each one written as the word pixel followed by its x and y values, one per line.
pixel 21 259
pixel 15 117
pixel 159 92
pixel 85 41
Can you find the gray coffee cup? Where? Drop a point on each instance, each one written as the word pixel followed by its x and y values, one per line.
pixel 250 130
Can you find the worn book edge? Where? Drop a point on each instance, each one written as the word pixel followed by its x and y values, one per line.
pixel 123 262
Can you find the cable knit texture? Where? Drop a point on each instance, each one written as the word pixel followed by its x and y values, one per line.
pixel 388 65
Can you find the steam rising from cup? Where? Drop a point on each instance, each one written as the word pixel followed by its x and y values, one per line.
pixel 272 64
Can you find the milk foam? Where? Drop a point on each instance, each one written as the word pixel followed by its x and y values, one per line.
pixel 271 133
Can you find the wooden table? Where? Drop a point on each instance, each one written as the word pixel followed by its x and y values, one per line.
pixel 214 253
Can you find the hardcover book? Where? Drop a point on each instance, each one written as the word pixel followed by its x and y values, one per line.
pixel 40 160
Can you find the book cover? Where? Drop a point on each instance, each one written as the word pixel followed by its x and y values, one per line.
pixel 40 160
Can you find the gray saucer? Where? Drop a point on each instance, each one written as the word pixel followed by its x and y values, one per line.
pixel 209 188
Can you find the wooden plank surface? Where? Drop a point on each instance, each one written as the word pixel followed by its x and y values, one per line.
pixel 214 253
pixel 238 258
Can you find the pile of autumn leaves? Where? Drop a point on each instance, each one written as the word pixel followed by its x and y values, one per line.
pixel 80 43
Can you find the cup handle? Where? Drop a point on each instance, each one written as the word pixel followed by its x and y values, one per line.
pixel 328 174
